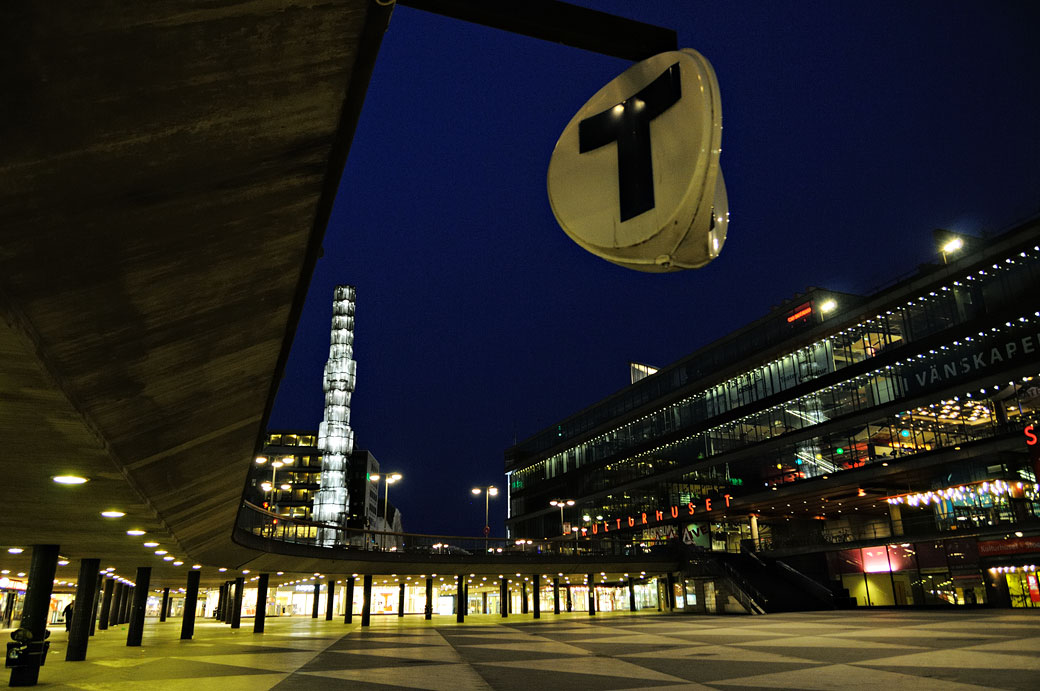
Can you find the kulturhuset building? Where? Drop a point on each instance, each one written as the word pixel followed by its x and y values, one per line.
pixel 883 445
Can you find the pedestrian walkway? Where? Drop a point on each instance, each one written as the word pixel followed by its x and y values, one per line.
pixel 947 650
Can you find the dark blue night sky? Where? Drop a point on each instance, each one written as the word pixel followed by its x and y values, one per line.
pixel 851 130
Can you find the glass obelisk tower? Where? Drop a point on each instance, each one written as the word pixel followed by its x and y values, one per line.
pixel 335 438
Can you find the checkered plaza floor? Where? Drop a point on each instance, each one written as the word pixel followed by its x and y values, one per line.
pixel 946 650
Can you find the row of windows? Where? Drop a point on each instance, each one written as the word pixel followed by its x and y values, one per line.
pixel 942 424
pixel 956 303
pixel 894 382
pixel 287 439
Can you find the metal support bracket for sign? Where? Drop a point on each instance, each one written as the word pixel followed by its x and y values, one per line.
pixel 559 22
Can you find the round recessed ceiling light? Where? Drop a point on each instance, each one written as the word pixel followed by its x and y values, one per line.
pixel 167 558
pixel 160 552
pixel 196 566
pixel 135 532
pixel 63 562
pixel 151 544
pixel 69 479
pixel 177 563
pixel 113 514
pixel 15 550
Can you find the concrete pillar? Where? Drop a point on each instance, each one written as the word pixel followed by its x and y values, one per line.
pixel 218 613
pixel 753 519
pixel 117 604
pixel 261 603
pixel 483 603
pixel 348 616
pixel 523 597
pixel 222 599
pixel 165 604
pixel 503 597
pixel 138 606
pixel 236 604
pixel 191 600
pixel 229 601
pixel 36 608
pixel 670 594
pixel 330 599
pixel 592 595
pixel 460 600
pixel 106 604
pixel 895 515
pixel 79 633
pixel 428 612
pixel 570 605
pixel 96 603
pixel 314 605
pixel 631 594
pixel 536 595
pixel 129 605
pixel 123 595
pixel 400 599
pixel 366 602
pixel 556 595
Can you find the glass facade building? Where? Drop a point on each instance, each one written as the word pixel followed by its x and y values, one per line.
pixel 835 419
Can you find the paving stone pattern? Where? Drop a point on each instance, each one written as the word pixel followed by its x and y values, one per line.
pixel 947 650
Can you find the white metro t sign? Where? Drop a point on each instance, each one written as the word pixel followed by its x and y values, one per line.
pixel 628 124
pixel 635 176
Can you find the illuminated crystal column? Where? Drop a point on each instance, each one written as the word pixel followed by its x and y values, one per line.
pixel 335 438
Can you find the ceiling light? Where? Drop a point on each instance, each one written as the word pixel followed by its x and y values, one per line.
pixel 196 566
pixel 151 544
pixel 177 563
pixel 63 562
pixel 113 514
pixel 69 479
pixel 160 552
pixel 135 532
pixel 167 558
pixel 15 550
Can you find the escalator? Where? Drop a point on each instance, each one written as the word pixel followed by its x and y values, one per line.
pixel 761 585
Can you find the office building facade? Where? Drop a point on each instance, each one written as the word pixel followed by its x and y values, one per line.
pixel 883 443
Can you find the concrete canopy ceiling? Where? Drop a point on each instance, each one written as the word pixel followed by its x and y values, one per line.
pixel 167 173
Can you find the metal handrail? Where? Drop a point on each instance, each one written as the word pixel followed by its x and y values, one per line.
pixel 259 522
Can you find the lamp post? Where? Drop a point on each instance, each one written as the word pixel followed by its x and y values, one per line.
pixel 388 479
pixel 561 503
pixel 270 486
pixel 489 491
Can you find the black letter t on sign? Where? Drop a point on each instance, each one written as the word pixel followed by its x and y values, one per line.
pixel 628 123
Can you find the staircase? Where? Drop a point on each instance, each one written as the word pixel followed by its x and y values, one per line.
pixel 760 585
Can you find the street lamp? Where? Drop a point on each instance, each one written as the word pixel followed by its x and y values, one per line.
pixel 270 486
pixel 489 491
pixel 951 247
pixel 562 503
pixel 388 479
